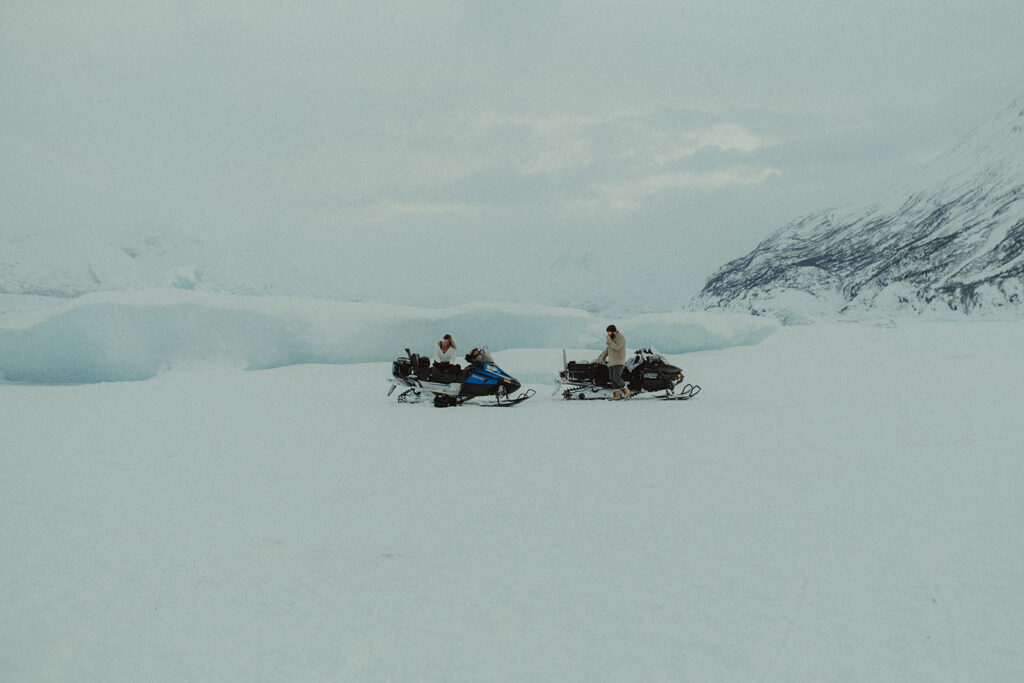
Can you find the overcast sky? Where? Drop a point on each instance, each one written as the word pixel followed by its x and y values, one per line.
pixel 369 136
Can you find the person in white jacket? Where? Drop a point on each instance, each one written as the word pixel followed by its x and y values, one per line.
pixel 444 354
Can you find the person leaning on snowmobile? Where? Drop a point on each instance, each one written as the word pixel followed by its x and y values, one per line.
pixel 615 354
pixel 444 354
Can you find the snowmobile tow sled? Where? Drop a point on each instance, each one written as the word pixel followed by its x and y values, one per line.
pixel 455 386
pixel 645 372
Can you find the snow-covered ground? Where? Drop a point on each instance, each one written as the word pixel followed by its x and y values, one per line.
pixel 841 502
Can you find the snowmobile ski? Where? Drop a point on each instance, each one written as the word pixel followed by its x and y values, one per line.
pixel 508 402
pixel 685 394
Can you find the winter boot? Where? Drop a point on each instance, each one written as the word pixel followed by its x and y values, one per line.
pixel 626 393
pixel 616 395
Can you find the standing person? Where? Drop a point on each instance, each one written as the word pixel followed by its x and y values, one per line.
pixel 615 353
pixel 444 354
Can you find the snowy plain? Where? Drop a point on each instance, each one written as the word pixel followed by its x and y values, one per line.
pixel 841 502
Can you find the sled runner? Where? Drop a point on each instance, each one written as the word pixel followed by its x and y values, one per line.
pixel 646 372
pixel 453 386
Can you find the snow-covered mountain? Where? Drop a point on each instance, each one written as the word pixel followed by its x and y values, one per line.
pixel 956 243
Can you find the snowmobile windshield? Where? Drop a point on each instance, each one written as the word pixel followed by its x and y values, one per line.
pixel 481 355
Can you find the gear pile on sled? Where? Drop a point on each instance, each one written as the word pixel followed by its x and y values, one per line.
pixel 452 385
pixel 645 372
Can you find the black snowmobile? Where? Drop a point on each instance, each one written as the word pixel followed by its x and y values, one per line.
pixel 450 385
pixel 646 371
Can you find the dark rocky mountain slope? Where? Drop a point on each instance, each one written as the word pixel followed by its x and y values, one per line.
pixel 955 244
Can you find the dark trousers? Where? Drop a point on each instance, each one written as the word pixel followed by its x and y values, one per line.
pixel 615 376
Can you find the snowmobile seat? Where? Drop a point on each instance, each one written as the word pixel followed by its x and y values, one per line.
pixel 446 372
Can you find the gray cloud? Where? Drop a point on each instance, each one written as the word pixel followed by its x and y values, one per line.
pixel 342 126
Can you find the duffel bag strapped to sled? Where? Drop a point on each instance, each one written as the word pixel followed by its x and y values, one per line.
pixel 411 365
pixel 401 367
pixel 586 371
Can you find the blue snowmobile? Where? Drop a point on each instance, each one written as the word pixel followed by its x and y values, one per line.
pixel 452 385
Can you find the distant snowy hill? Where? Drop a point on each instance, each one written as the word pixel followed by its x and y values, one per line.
pixel 954 244
pixel 69 265
pixel 138 334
